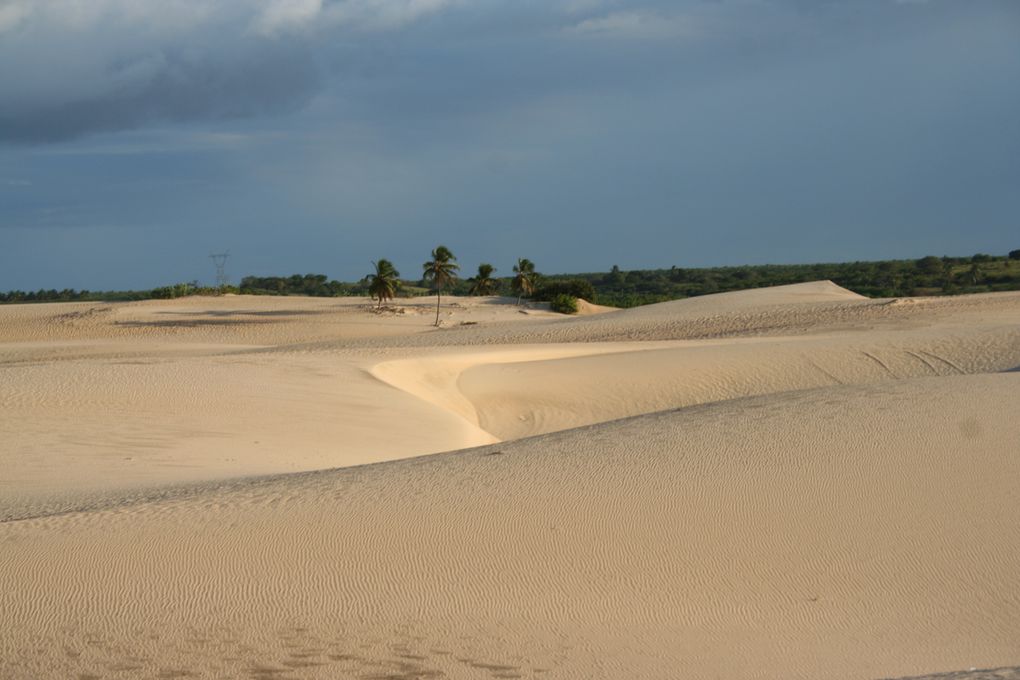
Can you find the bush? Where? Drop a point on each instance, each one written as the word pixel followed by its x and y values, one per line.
pixel 564 304
pixel 172 292
pixel 930 265
pixel 314 285
pixel 575 288
pixel 1014 254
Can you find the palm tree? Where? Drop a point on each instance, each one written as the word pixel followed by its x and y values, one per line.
pixel 524 281
pixel 383 282
pixel 484 284
pixel 441 270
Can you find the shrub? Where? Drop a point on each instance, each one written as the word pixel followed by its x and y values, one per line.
pixel 930 265
pixel 1014 254
pixel 576 288
pixel 564 304
pixel 172 292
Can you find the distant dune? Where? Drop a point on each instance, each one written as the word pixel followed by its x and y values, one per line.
pixel 727 303
pixel 794 482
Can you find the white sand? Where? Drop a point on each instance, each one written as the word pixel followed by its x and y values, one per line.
pixel 812 485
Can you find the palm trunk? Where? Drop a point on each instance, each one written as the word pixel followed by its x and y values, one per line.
pixel 439 296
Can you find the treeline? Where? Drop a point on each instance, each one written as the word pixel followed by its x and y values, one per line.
pixel 69 295
pixel 319 285
pixel 313 285
pixel 889 278
pixel 299 284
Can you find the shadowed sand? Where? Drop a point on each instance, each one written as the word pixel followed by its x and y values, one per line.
pixel 832 493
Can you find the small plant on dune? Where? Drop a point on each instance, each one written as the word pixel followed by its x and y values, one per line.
pixel 564 304
pixel 484 284
pixel 383 282
pixel 441 270
pixel 524 278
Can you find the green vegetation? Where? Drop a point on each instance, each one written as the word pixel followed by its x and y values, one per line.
pixel 576 288
pixel 890 278
pixel 313 285
pixel 441 271
pixel 66 295
pixel 175 291
pixel 383 283
pixel 563 303
pixel 70 295
pixel 524 279
pixel 483 284
pixel 929 275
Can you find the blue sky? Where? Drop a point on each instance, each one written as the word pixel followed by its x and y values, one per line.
pixel 138 136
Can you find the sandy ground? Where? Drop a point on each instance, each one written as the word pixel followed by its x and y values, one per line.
pixel 790 482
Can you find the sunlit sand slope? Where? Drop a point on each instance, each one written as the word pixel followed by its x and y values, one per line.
pixel 90 425
pixel 518 399
pixel 830 337
pixel 842 532
pixel 97 397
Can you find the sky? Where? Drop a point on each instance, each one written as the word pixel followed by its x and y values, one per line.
pixel 137 137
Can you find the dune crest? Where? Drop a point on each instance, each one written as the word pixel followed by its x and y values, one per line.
pixel 723 303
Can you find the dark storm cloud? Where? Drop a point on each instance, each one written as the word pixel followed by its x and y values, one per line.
pixel 68 68
pixel 270 79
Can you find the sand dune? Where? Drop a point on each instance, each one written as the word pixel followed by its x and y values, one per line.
pixel 794 482
pixel 144 394
pixel 514 400
pixel 808 535
pixel 728 317
pixel 754 298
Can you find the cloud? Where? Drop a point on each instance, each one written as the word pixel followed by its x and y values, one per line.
pixel 385 14
pixel 78 67
pixel 636 25
pixel 281 15
pixel 171 87
pixel 12 14
pixel 107 65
